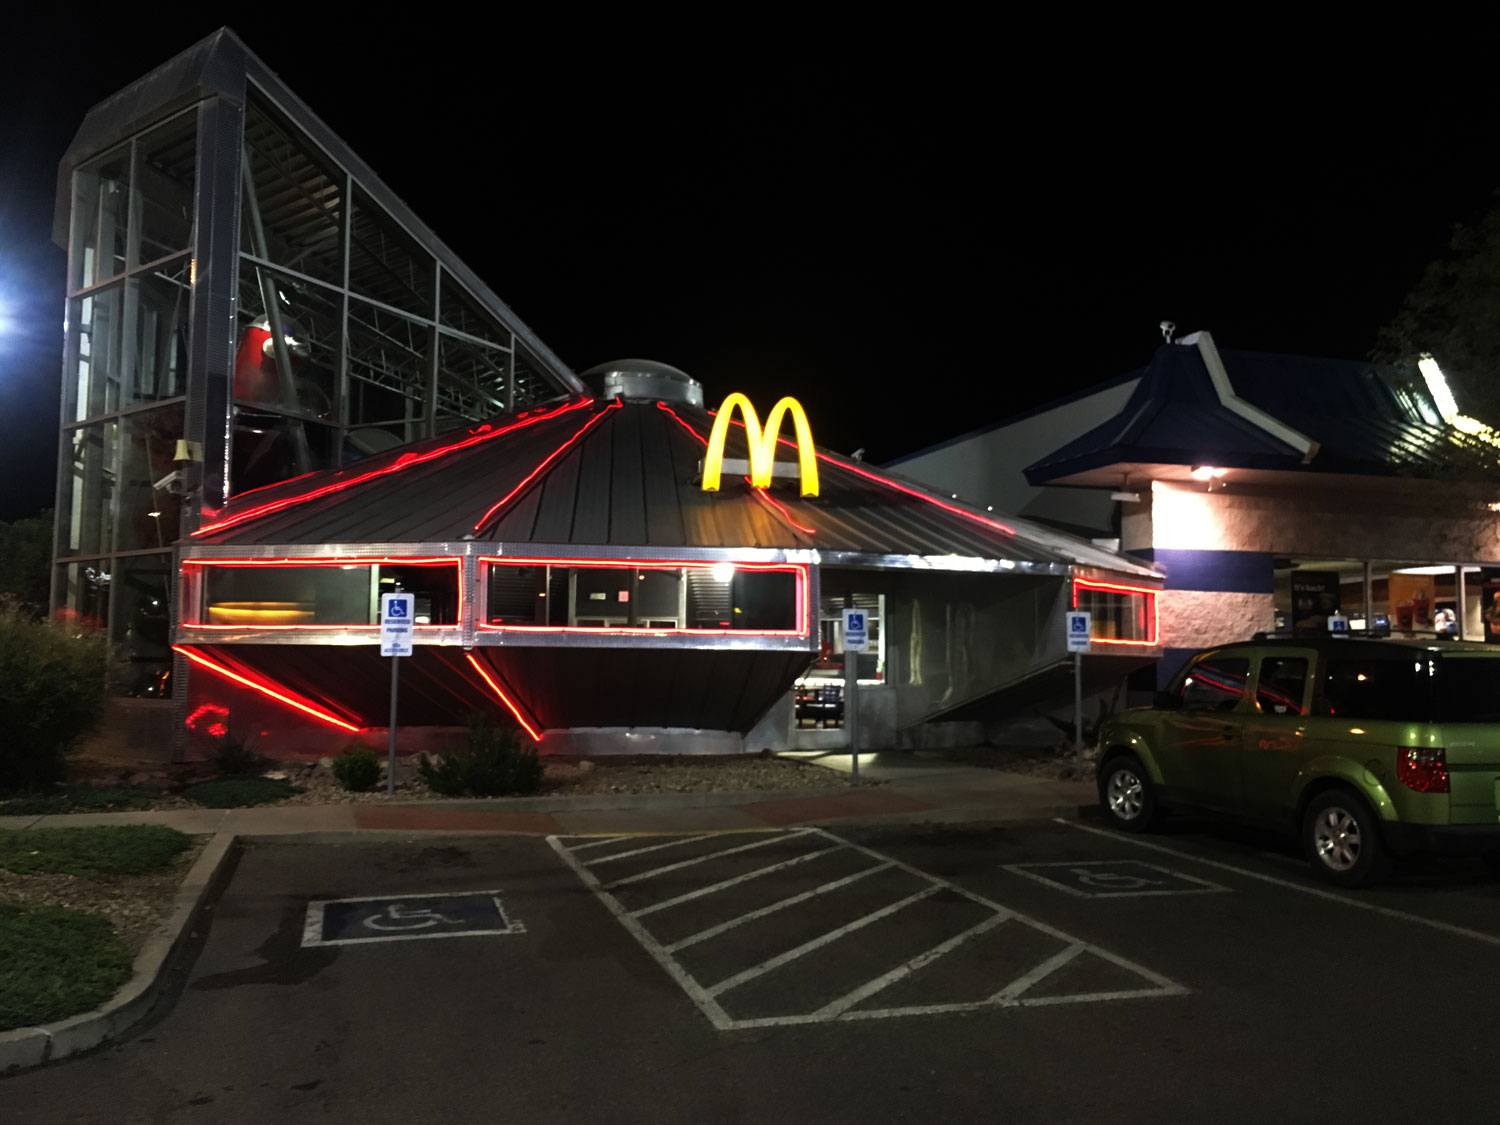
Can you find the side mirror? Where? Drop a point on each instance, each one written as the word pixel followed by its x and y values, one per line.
pixel 1165 701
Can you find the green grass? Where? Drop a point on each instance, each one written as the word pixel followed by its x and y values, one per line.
pixel 76 798
pixel 91 853
pixel 55 963
pixel 239 792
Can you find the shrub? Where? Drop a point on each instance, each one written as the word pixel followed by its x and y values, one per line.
pixel 494 764
pixel 54 688
pixel 357 769
pixel 55 963
pixel 91 853
pixel 239 792
pixel 235 757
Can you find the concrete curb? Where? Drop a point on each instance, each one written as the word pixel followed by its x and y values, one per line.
pixel 32 1046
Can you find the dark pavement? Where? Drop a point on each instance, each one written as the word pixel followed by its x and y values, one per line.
pixel 1031 972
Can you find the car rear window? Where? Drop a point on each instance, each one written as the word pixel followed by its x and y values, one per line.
pixel 1470 691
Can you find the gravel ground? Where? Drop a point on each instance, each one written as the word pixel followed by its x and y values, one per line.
pixel 135 904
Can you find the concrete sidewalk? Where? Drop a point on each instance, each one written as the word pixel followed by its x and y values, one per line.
pixel 914 790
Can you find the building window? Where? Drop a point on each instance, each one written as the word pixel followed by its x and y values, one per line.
pixel 316 593
pixel 539 594
pixel 1120 615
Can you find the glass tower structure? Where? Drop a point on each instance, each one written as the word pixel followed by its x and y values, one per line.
pixel 246 302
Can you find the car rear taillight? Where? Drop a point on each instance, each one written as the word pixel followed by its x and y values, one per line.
pixel 1422 768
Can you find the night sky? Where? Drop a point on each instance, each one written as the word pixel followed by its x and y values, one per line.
pixel 914 238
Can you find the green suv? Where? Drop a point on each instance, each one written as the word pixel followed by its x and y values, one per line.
pixel 1367 747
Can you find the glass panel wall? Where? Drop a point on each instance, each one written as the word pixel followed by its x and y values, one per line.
pixel 166 161
pixel 1378 596
pixel 149 516
pixel 95 325
pixel 143 623
pixel 101 219
pixel 157 349
pixel 322 594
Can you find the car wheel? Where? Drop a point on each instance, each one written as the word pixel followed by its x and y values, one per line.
pixel 1342 840
pixel 1126 792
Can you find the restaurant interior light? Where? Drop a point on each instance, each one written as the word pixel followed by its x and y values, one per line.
pixel 1207 472
pixel 722 571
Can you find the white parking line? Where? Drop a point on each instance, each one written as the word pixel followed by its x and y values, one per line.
pixel 1315 892
pixel 655 871
pixel 708 999
pixel 677 842
pixel 818 942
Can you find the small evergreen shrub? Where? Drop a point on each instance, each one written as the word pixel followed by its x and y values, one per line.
pixel 240 792
pixel 235 757
pixel 54 689
pixel 357 769
pixel 494 764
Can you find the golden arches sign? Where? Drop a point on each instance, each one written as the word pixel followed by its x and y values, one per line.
pixel 762 443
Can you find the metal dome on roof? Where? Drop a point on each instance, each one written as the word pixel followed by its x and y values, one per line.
pixel 643 378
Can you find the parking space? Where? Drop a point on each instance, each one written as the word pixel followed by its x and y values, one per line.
pixel 805 927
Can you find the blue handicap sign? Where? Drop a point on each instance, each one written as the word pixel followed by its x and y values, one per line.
pixel 396 608
pixel 856 622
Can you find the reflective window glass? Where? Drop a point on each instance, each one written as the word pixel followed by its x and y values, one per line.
pixel 85 520
pixel 1216 684
pixel 83 593
pixel 166 158
pixel 101 215
pixel 143 624
pixel 1369 688
pixel 471 382
pixel 266 448
pixel 159 337
pixel 295 214
pixel 289 595
pixel 385 263
pixel 531 385
pixel 96 323
pixel 148 515
pixel 463 312
pixel 1280 688
pixel 308 318
pixel 388 370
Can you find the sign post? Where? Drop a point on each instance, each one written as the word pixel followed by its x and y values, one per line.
pixel 1079 628
pixel 856 641
pixel 396 616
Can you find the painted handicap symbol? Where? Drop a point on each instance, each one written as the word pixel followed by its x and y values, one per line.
pixel 398 917
pixel 1112 881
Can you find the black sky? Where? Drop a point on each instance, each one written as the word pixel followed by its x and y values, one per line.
pixel 915 236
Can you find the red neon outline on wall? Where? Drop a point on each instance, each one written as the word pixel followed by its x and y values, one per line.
pixel 798 569
pixel 267 689
pixel 505 699
pixel 443 560
pixel 484 519
pixel 1152 634
pixel 405 461
pixel 995 524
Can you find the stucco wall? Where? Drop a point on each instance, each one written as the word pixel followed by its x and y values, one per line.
pixel 1200 618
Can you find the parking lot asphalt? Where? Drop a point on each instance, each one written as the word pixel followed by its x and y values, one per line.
pixel 1040 971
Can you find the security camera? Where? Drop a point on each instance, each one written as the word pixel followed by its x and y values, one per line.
pixel 1168 329
pixel 166 482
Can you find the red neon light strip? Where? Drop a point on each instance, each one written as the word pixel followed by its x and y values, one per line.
pixel 1153 634
pixel 445 560
pixel 531 476
pixel 797 569
pixel 405 461
pixel 995 524
pixel 266 689
pixel 765 498
pixel 505 699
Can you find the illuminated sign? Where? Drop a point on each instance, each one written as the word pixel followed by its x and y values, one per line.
pixel 762 443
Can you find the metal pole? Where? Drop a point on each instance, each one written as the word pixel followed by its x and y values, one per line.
pixel 851 681
pixel 390 761
pixel 1077 713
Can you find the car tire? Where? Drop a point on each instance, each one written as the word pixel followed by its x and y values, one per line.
pixel 1127 794
pixel 1342 839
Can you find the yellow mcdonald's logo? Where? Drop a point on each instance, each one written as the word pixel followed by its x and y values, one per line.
pixel 762 443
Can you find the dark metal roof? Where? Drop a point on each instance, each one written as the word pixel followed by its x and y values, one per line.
pixel 1367 419
pixel 627 473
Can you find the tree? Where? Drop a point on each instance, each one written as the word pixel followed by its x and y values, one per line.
pixel 1453 313
pixel 26 561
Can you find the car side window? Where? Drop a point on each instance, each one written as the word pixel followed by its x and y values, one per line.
pixel 1215 684
pixel 1281 686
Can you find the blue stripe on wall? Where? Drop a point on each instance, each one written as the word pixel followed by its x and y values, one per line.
pixel 1235 572
pixel 1171 660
